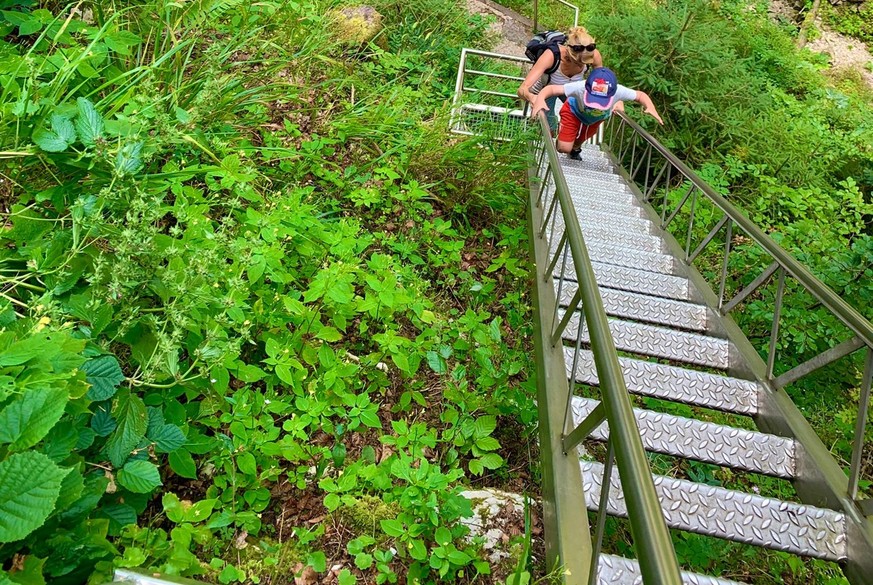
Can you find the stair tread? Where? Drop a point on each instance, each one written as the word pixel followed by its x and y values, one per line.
pixel 674 383
pixel 732 515
pixel 615 570
pixel 610 273
pixel 651 340
pixel 641 307
pixel 703 441
pixel 616 235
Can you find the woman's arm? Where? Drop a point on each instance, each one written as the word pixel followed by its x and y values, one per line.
pixel 648 107
pixel 546 60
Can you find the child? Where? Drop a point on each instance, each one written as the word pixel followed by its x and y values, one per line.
pixel 589 103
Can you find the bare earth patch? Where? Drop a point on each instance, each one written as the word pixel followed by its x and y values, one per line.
pixel 843 51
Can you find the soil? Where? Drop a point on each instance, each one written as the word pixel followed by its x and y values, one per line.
pixel 843 52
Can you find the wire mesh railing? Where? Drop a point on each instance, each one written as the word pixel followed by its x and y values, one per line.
pixel 684 202
pixel 485 100
pixel 556 229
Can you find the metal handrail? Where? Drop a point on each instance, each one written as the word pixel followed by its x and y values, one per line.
pixel 783 264
pixel 846 313
pixel 565 3
pixel 652 540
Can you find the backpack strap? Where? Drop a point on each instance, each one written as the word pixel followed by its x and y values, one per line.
pixel 556 51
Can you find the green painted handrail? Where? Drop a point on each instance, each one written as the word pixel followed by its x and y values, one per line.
pixel 846 313
pixel 652 542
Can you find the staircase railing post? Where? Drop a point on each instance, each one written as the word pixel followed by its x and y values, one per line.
pixel 860 426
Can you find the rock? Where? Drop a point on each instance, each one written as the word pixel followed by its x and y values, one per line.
pixel 497 517
pixel 356 25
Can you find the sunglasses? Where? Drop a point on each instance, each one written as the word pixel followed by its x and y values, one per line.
pixel 580 48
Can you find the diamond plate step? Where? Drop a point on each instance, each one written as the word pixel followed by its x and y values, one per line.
pixel 673 383
pixel 644 263
pixel 595 172
pixel 608 205
pixel 615 235
pixel 678 346
pixel 618 303
pixel 633 280
pixel 711 443
pixel 614 570
pixel 637 225
pixel 733 515
pixel 585 189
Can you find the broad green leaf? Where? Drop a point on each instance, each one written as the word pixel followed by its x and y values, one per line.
pixel 246 463
pixel 332 502
pixel 392 527
pixel 132 420
pixel 459 558
pixel 29 486
pixel 129 159
pixel 104 374
pixel 139 476
pixel 119 515
pixel 318 561
pixel 488 443
pixel 30 574
pixel 437 362
pixel 49 141
pixel 102 423
pixel 63 127
pixel 89 123
pixel 346 577
pixel 182 463
pixel 29 418
pixel 168 438
pixel 418 550
pixel 442 536
pixel 121 41
pixel 476 467
pixel 363 560
pixel 485 425
pixel 491 460
pixel 371 419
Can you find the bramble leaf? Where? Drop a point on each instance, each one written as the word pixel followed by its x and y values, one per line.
pixel 104 374
pixel 132 423
pixel 89 123
pixel 29 486
pixel 25 421
pixel 139 476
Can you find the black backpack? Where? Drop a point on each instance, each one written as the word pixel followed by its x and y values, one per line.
pixel 546 40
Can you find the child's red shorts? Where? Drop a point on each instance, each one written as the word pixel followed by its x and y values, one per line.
pixel 572 129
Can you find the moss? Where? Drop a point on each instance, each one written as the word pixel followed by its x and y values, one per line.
pixel 364 514
pixel 355 25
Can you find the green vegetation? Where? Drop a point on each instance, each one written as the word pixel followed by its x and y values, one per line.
pixel 259 311
pixel 851 18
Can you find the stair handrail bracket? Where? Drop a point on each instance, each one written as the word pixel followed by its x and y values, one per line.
pixel 558 252
pixel 652 171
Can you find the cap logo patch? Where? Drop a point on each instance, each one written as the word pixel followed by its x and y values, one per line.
pixel 600 87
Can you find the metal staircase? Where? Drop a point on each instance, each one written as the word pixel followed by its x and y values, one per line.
pixel 622 311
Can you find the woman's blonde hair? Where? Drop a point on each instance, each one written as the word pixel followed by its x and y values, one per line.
pixel 579 35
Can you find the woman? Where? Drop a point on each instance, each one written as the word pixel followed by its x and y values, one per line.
pixel 577 55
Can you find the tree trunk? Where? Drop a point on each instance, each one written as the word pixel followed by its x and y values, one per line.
pixel 808 21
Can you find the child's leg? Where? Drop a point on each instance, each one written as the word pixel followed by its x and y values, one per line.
pixel 568 130
pixel 586 132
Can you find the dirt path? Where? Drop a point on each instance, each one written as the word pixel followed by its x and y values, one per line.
pixel 843 52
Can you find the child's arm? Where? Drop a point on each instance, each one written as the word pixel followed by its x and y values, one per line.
pixel 648 107
pixel 540 102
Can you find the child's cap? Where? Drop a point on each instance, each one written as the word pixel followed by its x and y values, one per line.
pixel 600 89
